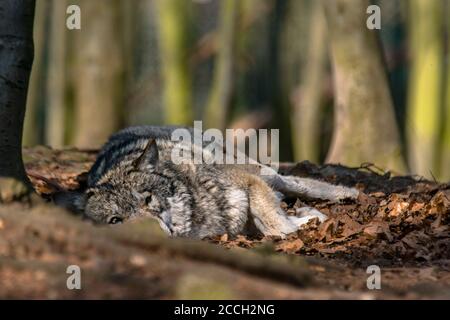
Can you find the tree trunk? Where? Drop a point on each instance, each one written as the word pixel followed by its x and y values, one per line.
pixel 98 84
pixel 278 95
pixel 173 18
pixel 33 127
pixel 365 128
pixel 306 126
pixel 144 84
pixel 16 58
pixel 219 104
pixel 445 146
pixel 425 86
pixel 56 89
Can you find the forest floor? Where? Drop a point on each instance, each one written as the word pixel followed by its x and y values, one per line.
pixel 401 224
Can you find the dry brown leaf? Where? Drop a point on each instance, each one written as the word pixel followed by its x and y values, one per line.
pixel 412 240
pixel 350 226
pixel 440 203
pixel 242 241
pixel 291 246
pixel 326 229
pixel 378 194
pixel 378 228
pixel 398 208
pixel 417 206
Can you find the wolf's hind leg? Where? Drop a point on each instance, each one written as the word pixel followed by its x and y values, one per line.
pixel 265 211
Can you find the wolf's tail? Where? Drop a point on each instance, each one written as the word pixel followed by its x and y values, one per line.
pixel 68 199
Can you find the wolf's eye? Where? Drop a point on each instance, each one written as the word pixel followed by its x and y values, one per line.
pixel 115 220
pixel 148 199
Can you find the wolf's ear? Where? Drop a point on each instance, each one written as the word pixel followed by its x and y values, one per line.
pixel 71 200
pixel 150 155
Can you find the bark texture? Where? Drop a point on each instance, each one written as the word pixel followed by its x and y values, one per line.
pixel 220 99
pixel 445 147
pixel 307 108
pixel 173 19
pixel 16 57
pixel 99 71
pixel 425 87
pixel 56 89
pixel 33 127
pixel 365 127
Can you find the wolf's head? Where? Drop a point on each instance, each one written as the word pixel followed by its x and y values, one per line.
pixel 133 188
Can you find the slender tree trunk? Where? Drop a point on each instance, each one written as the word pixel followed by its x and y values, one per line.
pixel 444 165
pixel 365 127
pixel 220 100
pixel 278 95
pixel 16 58
pixel 98 82
pixel 56 89
pixel 173 18
pixel 32 127
pixel 425 86
pixel 308 105
pixel 144 84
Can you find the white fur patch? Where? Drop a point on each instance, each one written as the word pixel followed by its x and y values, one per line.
pixel 179 215
pixel 238 212
pixel 165 222
pixel 311 212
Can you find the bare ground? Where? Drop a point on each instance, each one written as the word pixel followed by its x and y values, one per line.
pixel 399 223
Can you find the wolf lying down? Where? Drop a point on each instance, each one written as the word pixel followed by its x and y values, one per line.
pixel 134 177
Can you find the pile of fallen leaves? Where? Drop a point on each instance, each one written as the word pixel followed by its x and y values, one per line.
pixel 395 220
pixel 397 228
